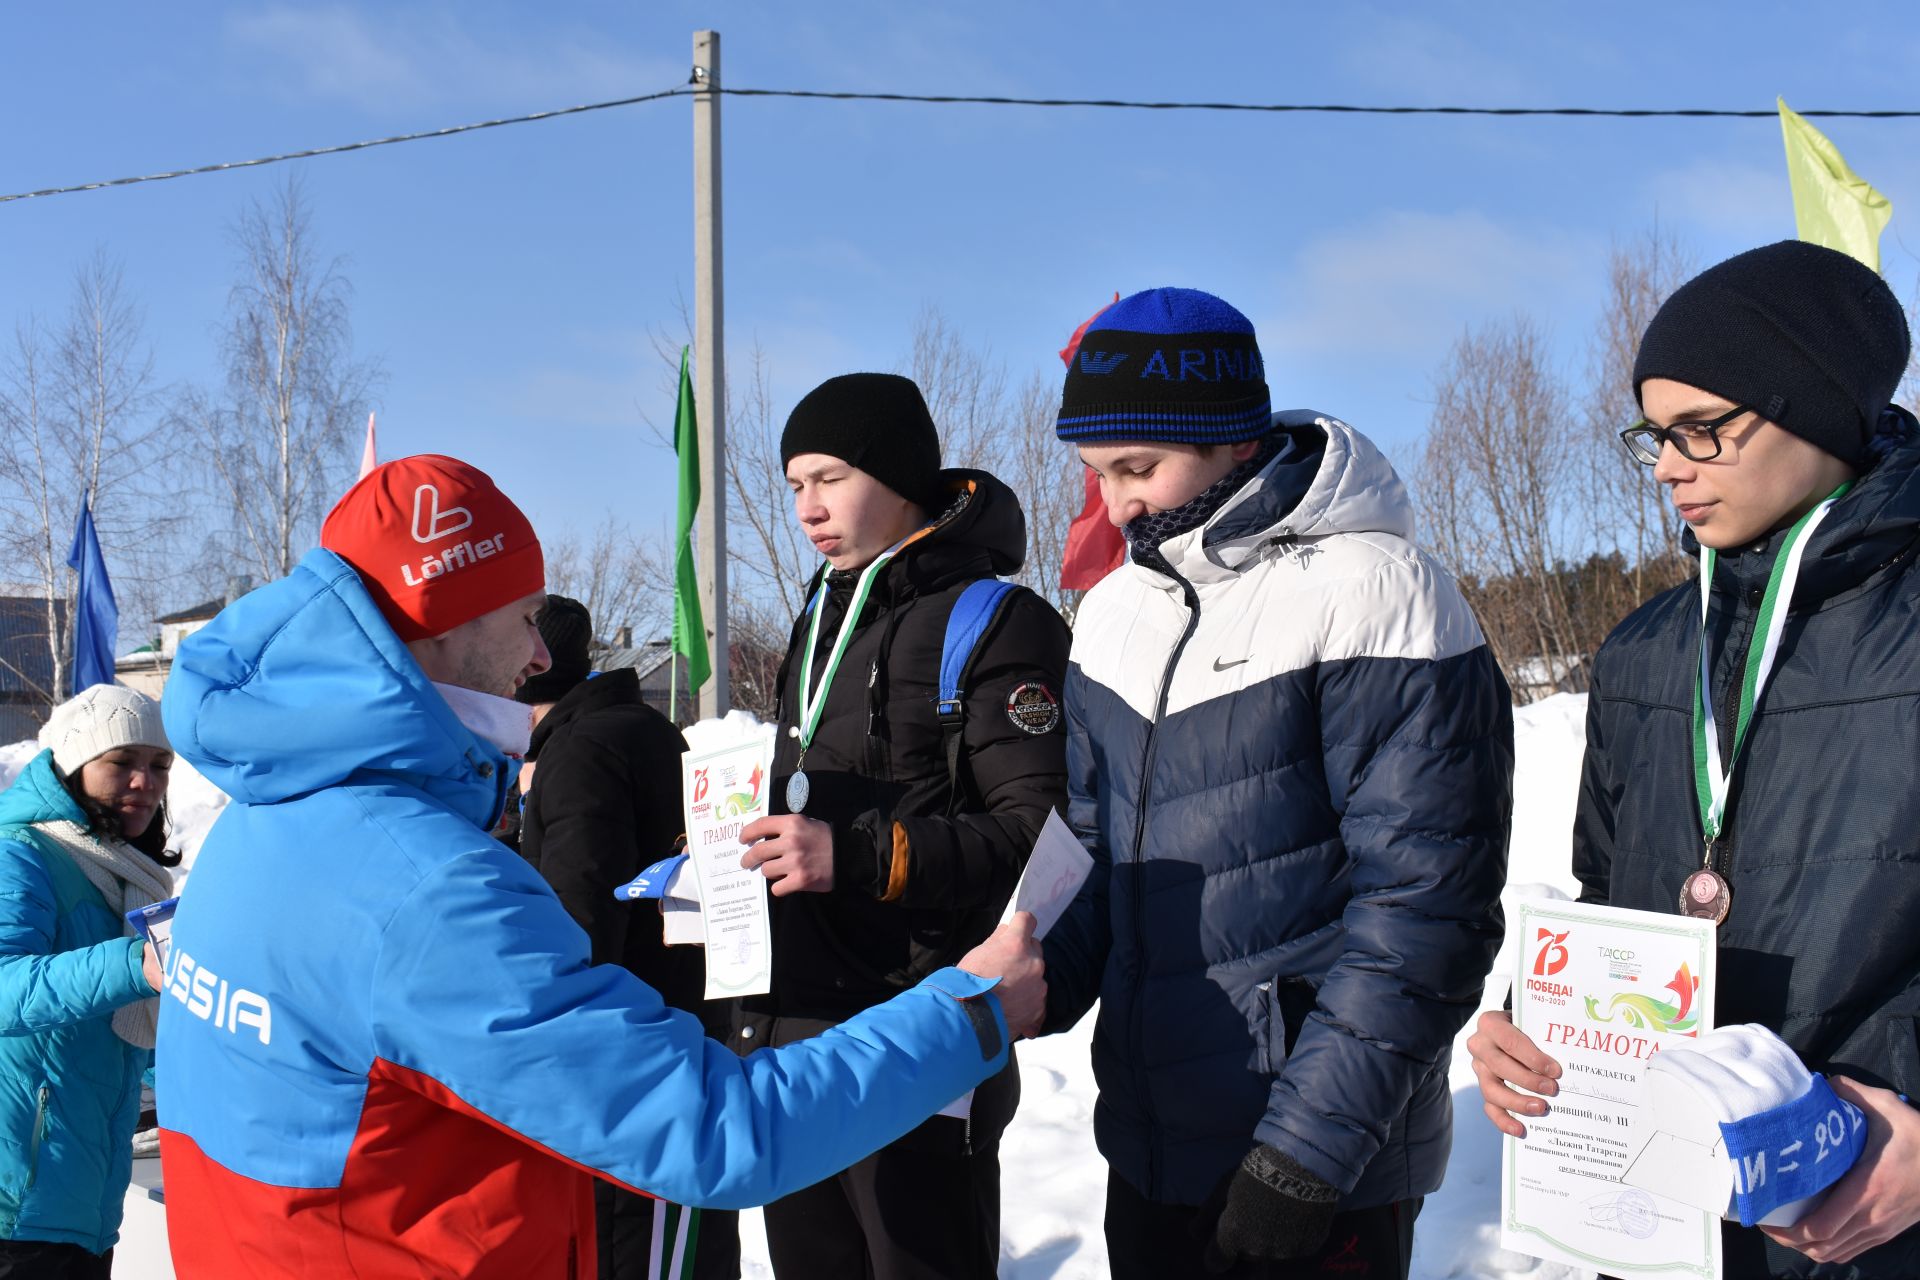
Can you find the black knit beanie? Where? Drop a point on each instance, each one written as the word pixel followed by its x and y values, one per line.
pixel 568 630
pixel 1172 365
pixel 877 422
pixel 1803 335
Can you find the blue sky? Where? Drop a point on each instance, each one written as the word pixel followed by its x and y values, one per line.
pixel 509 279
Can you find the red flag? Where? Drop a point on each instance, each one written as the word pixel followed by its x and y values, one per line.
pixel 1073 343
pixel 1095 547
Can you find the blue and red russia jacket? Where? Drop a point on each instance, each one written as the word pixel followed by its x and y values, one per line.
pixel 383 1048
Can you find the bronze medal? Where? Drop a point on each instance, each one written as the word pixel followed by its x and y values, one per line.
pixel 1706 896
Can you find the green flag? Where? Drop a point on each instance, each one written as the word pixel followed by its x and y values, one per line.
pixel 689 627
pixel 1832 205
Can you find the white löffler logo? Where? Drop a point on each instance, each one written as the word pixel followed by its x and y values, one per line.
pixel 430 521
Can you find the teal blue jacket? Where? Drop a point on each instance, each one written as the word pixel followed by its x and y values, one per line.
pixel 69 1087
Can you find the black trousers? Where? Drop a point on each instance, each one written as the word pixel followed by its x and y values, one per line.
pixel 924 1207
pixel 44 1260
pixel 623 1225
pixel 1148 1241
pixel 920 1209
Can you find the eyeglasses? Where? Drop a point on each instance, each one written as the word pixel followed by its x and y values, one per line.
pixel 1698 441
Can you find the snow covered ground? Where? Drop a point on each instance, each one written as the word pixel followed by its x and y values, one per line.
pixel 1053 1180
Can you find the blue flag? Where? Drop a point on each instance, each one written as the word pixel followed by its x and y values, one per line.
pixel 96 620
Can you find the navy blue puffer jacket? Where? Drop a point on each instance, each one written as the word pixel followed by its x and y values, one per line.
pixel 1822 841
pixel 1292 763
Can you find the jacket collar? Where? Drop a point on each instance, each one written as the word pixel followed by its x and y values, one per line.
pixel 38 796
pixel 1330 479
pixel 981 533
pixel 607 689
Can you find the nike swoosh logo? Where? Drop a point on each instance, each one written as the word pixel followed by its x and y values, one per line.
pixel 1222 666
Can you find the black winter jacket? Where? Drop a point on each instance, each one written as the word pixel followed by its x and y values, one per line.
pixel 1822 839
pixel 605 803
pixel 918 877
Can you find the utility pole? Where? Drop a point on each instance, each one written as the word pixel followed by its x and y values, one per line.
pixel 709 370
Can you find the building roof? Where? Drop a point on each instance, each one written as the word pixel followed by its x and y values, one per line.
pixel 645 660
pixel 198 613
pixel 26 665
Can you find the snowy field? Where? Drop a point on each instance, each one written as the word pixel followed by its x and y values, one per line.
pixel 1054 1182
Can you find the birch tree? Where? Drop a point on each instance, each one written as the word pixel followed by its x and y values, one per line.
pixel 77 402
pixel 278 444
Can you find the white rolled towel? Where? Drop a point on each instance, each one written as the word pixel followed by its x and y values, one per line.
pixel 1788 1136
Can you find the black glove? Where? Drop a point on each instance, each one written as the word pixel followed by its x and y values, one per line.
pixel 1270 1209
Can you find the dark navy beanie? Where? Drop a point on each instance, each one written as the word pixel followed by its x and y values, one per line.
pixel 1172 365
pixel 567 630
pixel 877 422
pixel 1803 335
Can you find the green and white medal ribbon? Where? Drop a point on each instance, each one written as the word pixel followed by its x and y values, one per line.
pixel 813 700
pixel 1706 894
pixel 680 1224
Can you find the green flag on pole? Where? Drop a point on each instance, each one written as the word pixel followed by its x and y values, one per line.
pixel 689 626
pixel 1832 205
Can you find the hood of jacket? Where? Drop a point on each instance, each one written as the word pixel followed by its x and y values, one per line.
pixel 1326 479
pixel 37 795
pixel 303 685
pixel 989 524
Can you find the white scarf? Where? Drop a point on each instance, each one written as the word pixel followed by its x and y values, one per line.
pixel 502 722
pixel 128 879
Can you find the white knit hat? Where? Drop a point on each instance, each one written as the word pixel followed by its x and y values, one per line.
pixel 97 720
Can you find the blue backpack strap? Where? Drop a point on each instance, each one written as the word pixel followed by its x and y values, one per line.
pixel 973 615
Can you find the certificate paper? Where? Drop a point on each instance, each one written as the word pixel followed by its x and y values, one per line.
pixel 1054 873
pixel 726 788
pixel 1600 990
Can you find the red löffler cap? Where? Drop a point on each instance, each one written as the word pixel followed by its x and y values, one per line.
pixel 436 543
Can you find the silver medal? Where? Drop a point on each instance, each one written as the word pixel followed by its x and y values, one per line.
pixel 798 789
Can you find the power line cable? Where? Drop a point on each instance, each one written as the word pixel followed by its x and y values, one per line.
pixel 967 99
pixel 447 132
pixel 1324 108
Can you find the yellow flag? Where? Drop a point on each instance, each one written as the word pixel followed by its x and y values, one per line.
pixel 1832 205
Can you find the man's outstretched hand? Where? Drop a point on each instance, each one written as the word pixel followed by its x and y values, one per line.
pixel 1012 954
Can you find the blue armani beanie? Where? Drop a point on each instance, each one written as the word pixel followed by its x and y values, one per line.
pixel 1172 365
